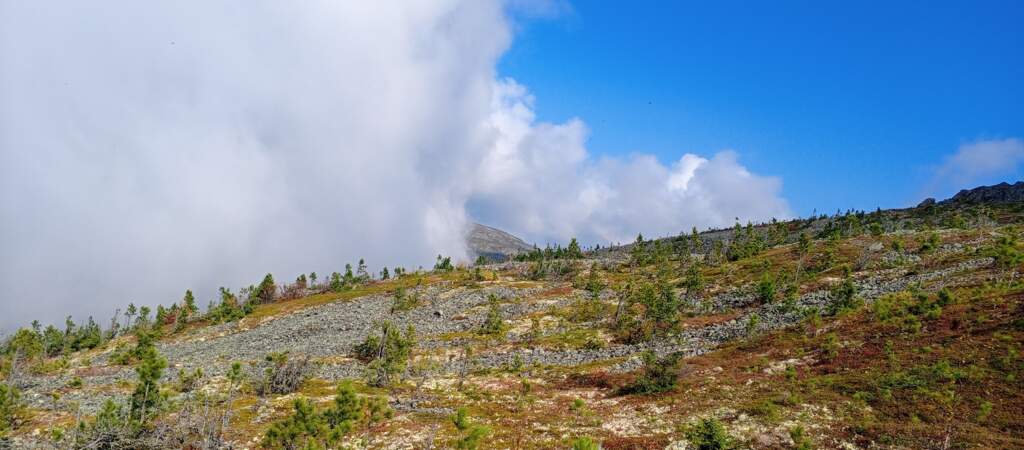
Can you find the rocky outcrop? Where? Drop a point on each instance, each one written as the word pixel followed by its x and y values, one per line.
pixel 1000 193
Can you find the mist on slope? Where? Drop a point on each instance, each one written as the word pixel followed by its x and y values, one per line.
pixel 147 148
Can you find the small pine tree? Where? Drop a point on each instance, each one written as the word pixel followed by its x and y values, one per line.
pixel 189 308
pixel 470 434
pixel 693 281
pixel 573 250
pixel 766 289
pixel 494 324
pixel 594 285
pixel 147 398
pixel 389 353
pixel 709 434
pixel 361 273
pixel 658 375
pixel 443 264
pixel 336 283
pixel 266 290
pixel 10 409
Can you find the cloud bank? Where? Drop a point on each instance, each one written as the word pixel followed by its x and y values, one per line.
pixel 146 148
pixel 539 181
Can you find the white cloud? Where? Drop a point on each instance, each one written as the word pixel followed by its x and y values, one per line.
pixel 539 181
pixel 978 162
pixel 146 148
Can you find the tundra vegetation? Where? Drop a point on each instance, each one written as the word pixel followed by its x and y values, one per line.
pixel 884 329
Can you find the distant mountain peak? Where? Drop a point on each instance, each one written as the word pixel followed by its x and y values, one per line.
pixel 493 243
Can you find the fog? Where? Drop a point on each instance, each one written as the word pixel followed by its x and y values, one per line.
pixel 151 147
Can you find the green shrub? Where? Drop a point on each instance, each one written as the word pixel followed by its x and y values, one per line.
pixel 594 285
pixel 709 434
pixel 403 301
pixel 647 310
pixel 188 381
pixel 282 374
pixel 765 409
pixel 146 398
pixel 443 264
pixel 266 290
pixel 10 409
pixel 658 374
pixel 470 434
pixel 752 323
pixel 844 296
pixel 800 440
pixel 388 354
pixel 306 428
pixel 907 310
pixel 585 443
pixel 494 324
pixel 830 346
pixel 766 289
pixel 931 243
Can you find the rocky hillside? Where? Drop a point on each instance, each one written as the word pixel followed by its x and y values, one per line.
pixel 891 329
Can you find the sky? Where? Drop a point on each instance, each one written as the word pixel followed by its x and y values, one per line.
pixel 851 104
pixel 149 148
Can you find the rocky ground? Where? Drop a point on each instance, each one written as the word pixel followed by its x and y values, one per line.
pixel 567 362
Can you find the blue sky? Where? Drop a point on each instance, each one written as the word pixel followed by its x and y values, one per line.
pixel 852 104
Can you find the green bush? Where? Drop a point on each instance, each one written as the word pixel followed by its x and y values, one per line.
pixel 282 374
pixel 306 428
pixel 388 354
pixel 931 243
pixel 908 310
pixel 494 324
pixel 470 435
pixel 766 289
pixel 709 434
pixel 830 346
pixel 266 290
pixel 146 398
pixel 800 440
pixel 188 381
pixel 443 264
pixel 10 408
pixel 658 374
pixel 585 443
pixel 403 301
pixel 844 297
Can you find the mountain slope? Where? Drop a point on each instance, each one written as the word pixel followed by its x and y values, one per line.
pixel 892 329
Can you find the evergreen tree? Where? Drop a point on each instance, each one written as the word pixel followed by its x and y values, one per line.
pixel 266 290
pixel 573 250
pixel 336 283
pixel 146 397
pixel 361 272
pixel 471 435
pixel 189 308
pixel 696 246
pixel 693 281
pixel 129 313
